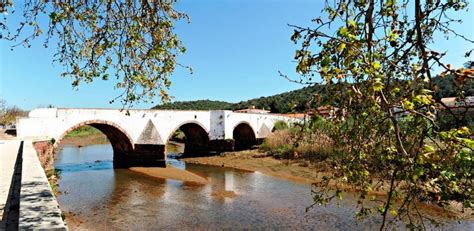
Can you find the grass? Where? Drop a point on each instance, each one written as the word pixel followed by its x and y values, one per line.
pixel 53 176
pixel 83 131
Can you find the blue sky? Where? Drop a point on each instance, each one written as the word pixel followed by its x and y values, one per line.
pixel 235 47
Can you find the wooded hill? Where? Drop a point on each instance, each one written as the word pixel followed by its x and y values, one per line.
pixel 294 101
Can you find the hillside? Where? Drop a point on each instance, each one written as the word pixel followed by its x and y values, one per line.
pixel 281 103
pixel 294 101
pixel 196 105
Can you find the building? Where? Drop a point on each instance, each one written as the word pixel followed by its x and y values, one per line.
pixel 455 103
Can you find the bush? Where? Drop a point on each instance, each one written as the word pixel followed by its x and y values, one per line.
pixel 447 122
pixel 299 143
pixel 280 125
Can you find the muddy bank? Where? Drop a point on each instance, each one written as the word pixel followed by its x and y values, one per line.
pixel 170 173
pixel 254 160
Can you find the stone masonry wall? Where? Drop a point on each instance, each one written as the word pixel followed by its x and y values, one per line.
pixel 45 152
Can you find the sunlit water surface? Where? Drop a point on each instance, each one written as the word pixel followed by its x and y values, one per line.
pixel 96 196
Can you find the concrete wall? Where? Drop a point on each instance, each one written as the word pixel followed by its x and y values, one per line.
pixel 39 209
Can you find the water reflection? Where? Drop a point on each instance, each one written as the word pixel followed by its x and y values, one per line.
pixel 98 197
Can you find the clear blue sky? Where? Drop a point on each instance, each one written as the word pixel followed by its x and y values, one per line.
pixel 236 48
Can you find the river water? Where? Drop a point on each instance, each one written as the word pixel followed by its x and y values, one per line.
pixel 96 196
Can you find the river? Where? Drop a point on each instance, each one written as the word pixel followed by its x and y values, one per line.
pixel 96 196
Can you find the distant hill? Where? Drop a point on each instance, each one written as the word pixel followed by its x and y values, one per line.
pixel 294 101
pixel 196 105
pixel 281 103
pixel 447 87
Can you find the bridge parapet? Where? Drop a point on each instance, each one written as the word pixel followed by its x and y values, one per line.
pixel 142 134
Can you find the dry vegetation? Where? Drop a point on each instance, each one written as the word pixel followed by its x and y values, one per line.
pixel 309 142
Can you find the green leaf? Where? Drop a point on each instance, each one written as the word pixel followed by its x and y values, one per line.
pixel 469 143
pixel 378 86
pixel 325 62
pixel 341 47
pixel 352 24
pixel 343 31
pixel 407 105
pixel 420 172
pixel 423 99
pixel 429 148
pixel 376 65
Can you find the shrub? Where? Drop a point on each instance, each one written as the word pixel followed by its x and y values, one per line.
pixel 280 125
pixel 296 142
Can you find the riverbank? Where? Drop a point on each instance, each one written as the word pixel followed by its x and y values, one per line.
pixel 85 135
pixel 298 171
pixel 81 141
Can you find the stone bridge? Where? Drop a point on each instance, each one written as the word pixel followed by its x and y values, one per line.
pixel 139 138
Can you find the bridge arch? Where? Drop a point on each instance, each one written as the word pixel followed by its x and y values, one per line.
pixel 196 137
pixel 244 136
pixel 119 138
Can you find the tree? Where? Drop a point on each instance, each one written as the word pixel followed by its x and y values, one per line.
pixel 2 108
pixel 134 41
pixel 8 115
pixel 377 67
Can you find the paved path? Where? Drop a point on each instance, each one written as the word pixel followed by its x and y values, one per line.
pixel 8 154
pixel 33 205
pixel 39 208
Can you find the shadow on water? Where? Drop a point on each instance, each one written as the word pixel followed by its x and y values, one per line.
pixel 96 165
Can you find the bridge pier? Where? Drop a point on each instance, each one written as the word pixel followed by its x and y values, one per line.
pixel 211 147
pixel 218 146
pixel 221 145
pixel 138 137
pixel 144 155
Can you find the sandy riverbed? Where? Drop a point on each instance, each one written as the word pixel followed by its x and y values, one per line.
pixel 170 173
pixel 255 161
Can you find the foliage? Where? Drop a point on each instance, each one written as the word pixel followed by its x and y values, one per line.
pixel 131 40
pixel 280 125
pixel 299 100
pixel 292 101
pixel 178 136
pixel 448 87
pixel 447 121
pixel 2 107
pixel 83 131
pixel 8 115
pixel 376 66
pixel 309 141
